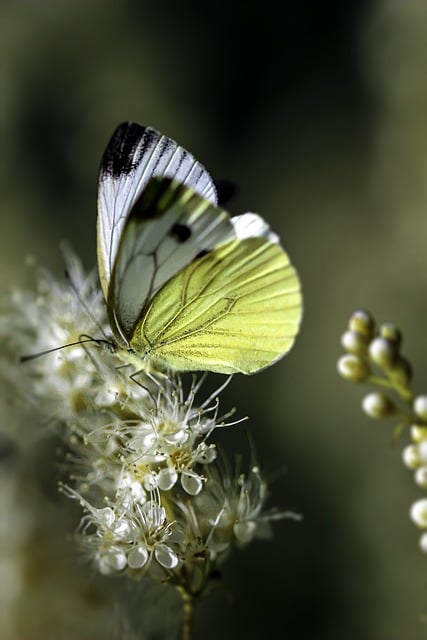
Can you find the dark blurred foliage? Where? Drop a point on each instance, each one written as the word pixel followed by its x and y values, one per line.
pixel 297 104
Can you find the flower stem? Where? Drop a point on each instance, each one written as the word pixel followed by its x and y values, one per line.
pixel 403 392
pixel 187 613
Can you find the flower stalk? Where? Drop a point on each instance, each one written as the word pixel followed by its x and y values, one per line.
pixel 187 613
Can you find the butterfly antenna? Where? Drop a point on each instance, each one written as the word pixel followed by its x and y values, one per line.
pixel 83 303
pixel 33 356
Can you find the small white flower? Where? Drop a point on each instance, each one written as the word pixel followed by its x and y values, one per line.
pixel 166 437
pixel 130 538
pixel 233 504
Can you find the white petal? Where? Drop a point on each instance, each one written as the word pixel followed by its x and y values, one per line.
pixel 150 481
pixel 137 557
pixel 166 479
pixel 191 483
pixel 122 529
pixel 178 437
pixel 105 517
pixel 244 531
pixel 165 556
pixel 114 560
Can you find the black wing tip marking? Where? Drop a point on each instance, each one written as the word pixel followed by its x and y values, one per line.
pixel 130 143
pixel 125 148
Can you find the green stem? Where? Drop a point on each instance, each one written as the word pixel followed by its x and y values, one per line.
pixel 403 392
pixel 187 613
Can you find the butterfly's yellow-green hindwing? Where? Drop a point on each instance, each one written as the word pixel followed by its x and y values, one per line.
pixel 236 309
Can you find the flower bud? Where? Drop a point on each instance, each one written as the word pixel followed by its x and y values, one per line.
pixel 418 433
pixel 389 331
pixel 420 477
pixel 378 405
pixel 354 342
pixel 353 368
pixel 420 406
pixel 418 513
pixel 423 542
pixel 383 352
pixel 411 456
pixel 362 322
pixel 422 451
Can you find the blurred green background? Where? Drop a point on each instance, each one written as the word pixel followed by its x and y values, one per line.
pixel 318 111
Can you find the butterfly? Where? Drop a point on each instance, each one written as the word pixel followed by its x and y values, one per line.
pixel 187 286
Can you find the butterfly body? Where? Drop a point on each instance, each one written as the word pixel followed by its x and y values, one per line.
pixel 187 286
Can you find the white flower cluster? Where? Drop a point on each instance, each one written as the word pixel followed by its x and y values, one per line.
pixel 157 499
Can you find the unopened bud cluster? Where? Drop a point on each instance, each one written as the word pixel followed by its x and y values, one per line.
pixel 373 350
pixel 373 357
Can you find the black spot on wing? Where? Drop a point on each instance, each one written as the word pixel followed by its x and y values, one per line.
pixel 180 232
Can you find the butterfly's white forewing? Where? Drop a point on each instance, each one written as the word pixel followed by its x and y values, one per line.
pixel 133 155
pixel 169 228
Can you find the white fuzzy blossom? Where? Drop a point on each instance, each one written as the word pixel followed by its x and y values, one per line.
pixel 139 457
